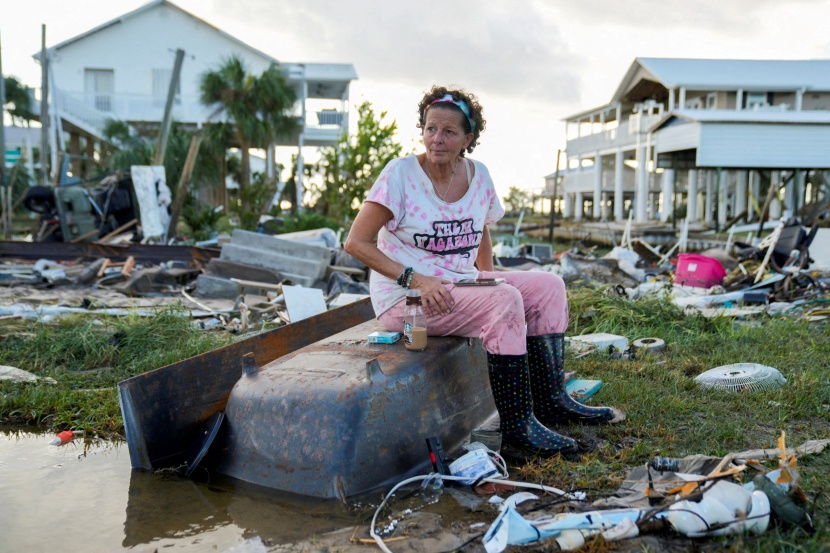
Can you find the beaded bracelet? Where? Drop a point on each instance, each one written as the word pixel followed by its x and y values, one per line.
pixel 406 274
pixel 409 279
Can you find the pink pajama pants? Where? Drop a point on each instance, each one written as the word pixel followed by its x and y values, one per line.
pixel 498 314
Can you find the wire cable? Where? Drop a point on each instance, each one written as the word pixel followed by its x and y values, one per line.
pixel 541 487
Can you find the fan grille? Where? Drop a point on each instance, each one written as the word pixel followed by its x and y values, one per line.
pixel 741 377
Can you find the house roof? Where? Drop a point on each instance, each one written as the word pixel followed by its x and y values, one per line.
pixel 810 117
pixel 749 75
pixel 762 75
pixel 723 74
pixel 146 7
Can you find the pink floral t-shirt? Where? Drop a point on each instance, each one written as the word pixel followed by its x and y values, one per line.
pixel 433 237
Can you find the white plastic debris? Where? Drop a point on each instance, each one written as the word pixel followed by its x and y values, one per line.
pixel 600 341
pixel 624 530
pixel 726 508
pixel 19 375
pixel 627 261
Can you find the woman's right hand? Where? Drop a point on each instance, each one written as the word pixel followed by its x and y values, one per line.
pixel 435 298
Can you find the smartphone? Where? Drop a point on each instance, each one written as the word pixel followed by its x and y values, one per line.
pixel 479 282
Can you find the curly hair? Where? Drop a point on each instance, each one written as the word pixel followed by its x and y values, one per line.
pixel 476 111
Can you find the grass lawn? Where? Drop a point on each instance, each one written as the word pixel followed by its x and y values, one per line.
pixel 668 414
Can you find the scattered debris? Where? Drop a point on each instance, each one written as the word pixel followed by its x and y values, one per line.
pixel 19 375
pixel 303 303
pixel 771 276
pixel 741 377
pixel 648 345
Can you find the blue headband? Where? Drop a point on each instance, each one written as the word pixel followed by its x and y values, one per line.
pixel 462 105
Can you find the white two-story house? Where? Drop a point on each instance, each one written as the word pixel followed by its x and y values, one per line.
pixel 703 134
pixel 122 70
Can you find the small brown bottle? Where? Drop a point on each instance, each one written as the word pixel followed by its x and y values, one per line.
pixel 414 322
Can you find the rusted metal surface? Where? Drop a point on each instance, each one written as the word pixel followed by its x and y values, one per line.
pixel 65 251
pixel 341 416
pixel 163 409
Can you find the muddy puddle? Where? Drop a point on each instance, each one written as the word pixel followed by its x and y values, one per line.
pixel 84 496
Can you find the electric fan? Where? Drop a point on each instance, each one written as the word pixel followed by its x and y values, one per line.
pixel 741 377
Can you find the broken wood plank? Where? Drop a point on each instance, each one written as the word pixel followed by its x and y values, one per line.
pixel 118 231
pixel 254 284
pixel 127 266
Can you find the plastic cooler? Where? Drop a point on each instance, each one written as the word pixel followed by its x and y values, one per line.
pixel 698 270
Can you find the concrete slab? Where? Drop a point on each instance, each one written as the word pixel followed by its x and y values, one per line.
pixel 297 270
pixel 243 271
pixel 208 286
pixel 305 263
pixel 286 247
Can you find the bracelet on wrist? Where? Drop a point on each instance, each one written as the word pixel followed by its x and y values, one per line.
pixel 409 278
pixel 401 281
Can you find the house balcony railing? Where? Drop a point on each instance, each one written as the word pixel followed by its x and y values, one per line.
pixel 622 136
pixel 91 112
pixel 583 181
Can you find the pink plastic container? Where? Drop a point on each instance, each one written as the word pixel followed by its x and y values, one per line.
pixel 698 270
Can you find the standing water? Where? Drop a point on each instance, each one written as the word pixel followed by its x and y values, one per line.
pixel 84 496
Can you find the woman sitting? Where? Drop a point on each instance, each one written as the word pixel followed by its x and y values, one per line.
pixel 430 213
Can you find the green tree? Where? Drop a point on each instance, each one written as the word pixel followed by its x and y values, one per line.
pixel 125 147
pixel 517 199
pixel 19 107
pixel 255 109
pixel 18 101
pixel 351 167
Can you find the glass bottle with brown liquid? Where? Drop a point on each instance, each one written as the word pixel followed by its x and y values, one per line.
pixel 414 322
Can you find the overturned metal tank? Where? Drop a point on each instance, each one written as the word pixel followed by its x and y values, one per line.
pixel 340 417
pixel 165 411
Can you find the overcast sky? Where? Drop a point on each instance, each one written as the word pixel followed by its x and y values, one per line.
pixel 530 62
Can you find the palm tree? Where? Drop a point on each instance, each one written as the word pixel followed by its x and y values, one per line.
pixel 255 108
pixel 18 101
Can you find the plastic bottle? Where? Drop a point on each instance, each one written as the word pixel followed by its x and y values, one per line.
pixel 664 464
pixel 65 436
pixel 414 323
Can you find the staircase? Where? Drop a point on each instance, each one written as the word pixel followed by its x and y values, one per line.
pixel 81 114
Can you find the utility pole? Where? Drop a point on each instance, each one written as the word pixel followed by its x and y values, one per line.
pixel 553 198
pixel 184 179
pixel 164 133
pixel 2 119
pixel 44 109
pixel 674 195
pixel 5 191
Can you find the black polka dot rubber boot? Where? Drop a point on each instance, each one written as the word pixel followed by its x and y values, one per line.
pixel 520 430
pixel 551 402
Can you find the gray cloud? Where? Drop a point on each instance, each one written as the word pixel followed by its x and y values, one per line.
pixel 506 49
pixel 733 16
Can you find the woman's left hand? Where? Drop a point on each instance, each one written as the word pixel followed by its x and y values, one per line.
pixel 435 298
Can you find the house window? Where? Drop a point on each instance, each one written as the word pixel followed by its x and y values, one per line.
pixel 99 87
pixel 756 100
pixel 161 85
pixel 712 100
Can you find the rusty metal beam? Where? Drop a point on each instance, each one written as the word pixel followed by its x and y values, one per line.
pixel 163 409
pixel 64 251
